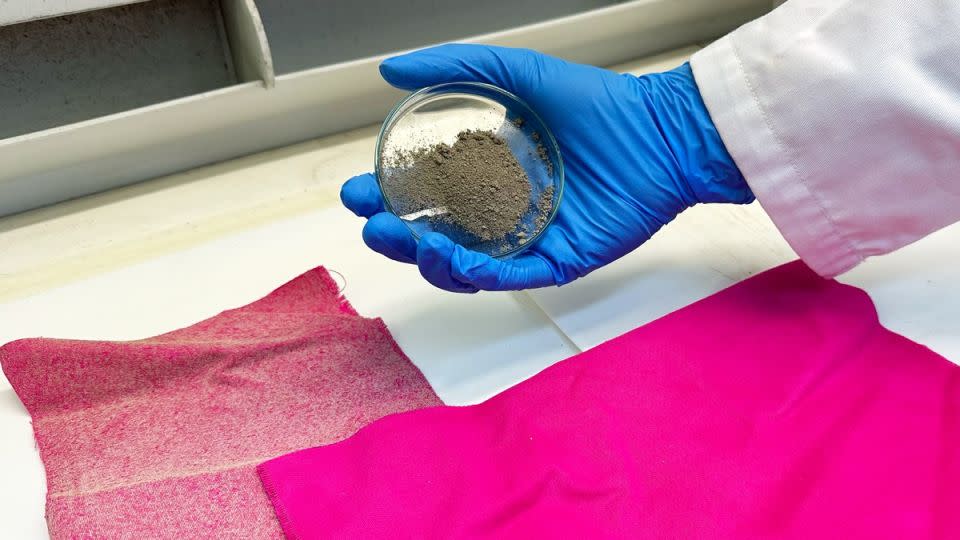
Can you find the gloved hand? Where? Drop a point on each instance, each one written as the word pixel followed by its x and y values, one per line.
pixel 636 151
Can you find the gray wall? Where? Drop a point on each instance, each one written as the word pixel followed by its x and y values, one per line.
pixel 310 33
pixel 72 68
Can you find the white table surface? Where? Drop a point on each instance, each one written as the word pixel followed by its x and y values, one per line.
pixel 162 255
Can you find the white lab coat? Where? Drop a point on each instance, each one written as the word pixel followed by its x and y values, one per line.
pixel 844 116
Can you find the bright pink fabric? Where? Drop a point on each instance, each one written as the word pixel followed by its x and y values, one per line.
pixel 159 438
pixel 779 408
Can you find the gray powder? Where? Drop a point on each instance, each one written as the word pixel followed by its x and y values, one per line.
pixel 477 180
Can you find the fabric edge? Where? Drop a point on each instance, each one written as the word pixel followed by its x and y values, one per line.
pixel 269 485
pixel 795 266
pixel 32 408
pixel 757 151
pixel 399 350
pixel 324 274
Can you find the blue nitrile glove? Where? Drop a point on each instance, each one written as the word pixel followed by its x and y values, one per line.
pixel 636 151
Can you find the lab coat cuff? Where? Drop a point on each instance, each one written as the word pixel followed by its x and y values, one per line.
pixel 765 161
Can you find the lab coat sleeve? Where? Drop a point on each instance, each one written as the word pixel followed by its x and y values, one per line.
pixel 844 117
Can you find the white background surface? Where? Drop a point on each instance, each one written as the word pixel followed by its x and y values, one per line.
pixel 151 258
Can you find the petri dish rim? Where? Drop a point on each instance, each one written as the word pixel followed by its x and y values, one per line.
pixel 483 90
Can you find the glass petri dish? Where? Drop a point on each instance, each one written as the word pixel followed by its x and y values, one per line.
pixel 441 114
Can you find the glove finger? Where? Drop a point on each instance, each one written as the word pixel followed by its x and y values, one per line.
pixel 518 70
pixel 527 271
pixel 361 194
pixel 433 258
pixel 386 234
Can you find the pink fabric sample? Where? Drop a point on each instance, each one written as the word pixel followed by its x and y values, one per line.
pixel 159 438
pixel 779 408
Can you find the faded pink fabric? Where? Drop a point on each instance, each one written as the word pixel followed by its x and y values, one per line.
pixel 159 438
pixel 779 408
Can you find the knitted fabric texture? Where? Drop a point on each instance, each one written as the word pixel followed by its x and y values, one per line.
pixel 159 438
pixel 778 408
